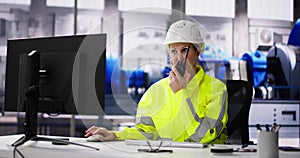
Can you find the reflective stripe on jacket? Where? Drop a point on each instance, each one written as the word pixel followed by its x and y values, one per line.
pixel 197 113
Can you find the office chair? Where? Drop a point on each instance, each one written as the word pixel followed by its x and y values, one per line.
pixel 239 103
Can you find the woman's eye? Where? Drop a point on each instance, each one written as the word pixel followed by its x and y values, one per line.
pixel 184 50
pixel 174 51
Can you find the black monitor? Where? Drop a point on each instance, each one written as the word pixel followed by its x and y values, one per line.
pixel 69 66
pixel 60 75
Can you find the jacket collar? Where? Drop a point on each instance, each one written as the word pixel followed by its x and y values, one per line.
pixel 197 79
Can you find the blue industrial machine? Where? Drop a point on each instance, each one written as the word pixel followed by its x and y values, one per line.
pixel 215 63
pixel 218 68
pixel 257 63
pixel 294 38
pixel 123 88
pixel 284 67
pixel 112 69
pixel 276 76
pixel 284 71
pixel 137 82
pixel 257 72
pixel 118 81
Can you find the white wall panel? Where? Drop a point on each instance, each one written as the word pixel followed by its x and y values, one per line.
pixel 271 9
pixel 21 2
pixel 212 8
pixel 82 4
pixel 129 5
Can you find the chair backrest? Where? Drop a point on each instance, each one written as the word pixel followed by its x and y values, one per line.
pixel 239 103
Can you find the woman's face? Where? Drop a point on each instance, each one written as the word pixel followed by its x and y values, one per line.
pixel 178 51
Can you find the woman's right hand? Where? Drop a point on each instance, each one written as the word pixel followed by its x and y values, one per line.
pixel 107 135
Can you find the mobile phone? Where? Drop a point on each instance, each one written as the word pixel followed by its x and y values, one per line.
pixel 181 66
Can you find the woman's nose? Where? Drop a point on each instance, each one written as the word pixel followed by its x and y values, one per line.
pixel 180 58
pixel 177 58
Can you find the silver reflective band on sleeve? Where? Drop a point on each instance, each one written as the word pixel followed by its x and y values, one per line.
pixel 208 123
pixel 146 120
pixel 196 117
pixel 201 131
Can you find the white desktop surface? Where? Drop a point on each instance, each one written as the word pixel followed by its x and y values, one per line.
pixel 111 149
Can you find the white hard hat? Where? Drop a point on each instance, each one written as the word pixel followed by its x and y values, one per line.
pixel 186 32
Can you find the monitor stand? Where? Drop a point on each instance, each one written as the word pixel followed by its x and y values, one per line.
pixel 26 138
pixel 31 109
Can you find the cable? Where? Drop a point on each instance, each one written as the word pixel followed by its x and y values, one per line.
pixel 152 150
pixel 16 150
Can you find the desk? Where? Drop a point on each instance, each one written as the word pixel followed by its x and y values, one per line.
pixel 109 149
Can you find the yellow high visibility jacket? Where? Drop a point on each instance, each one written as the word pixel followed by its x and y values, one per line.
pixel 197 113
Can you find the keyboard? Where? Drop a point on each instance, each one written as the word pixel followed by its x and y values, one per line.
pixel 165 144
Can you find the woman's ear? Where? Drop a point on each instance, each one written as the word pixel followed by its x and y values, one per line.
pixel 197 50
pixel 197 53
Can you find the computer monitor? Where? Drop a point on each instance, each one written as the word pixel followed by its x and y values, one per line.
pixel 60 75
pixel 72 74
